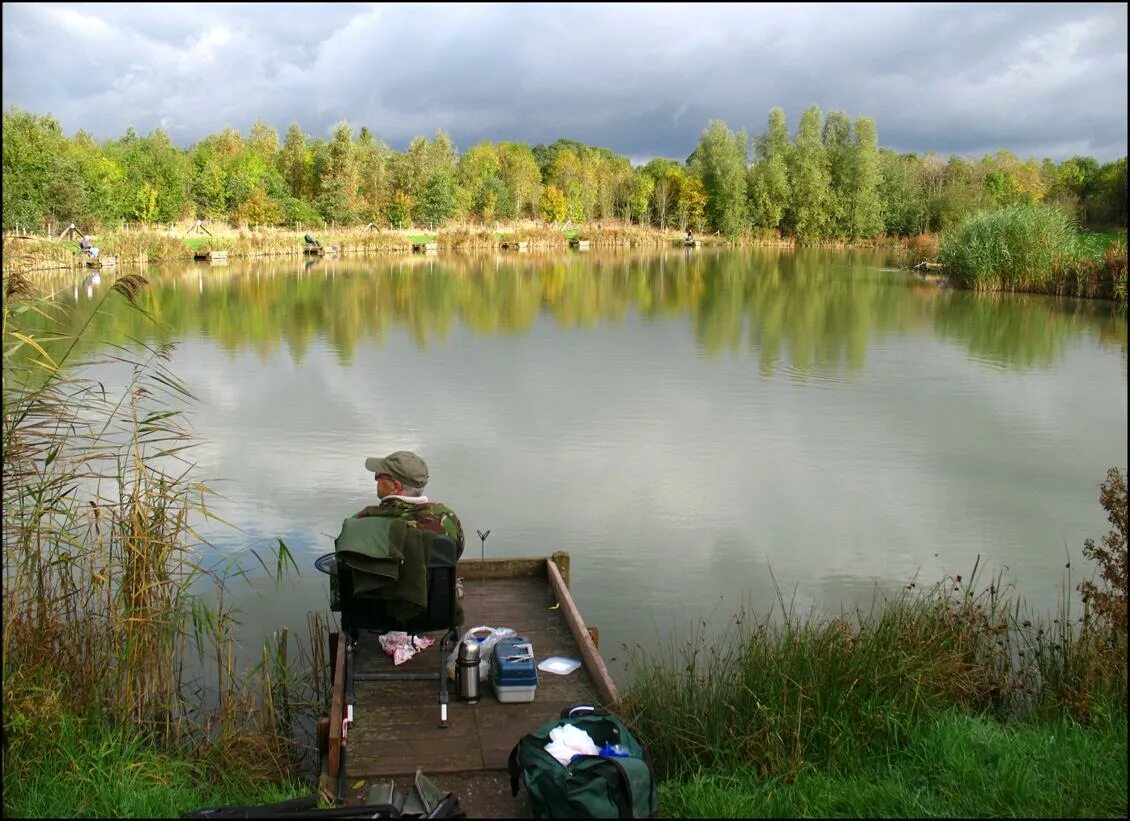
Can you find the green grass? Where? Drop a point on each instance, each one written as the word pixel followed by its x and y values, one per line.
pixel 82 769
pixel 957 765
pixel 423 237
pixel 571 233
pixel 1096 243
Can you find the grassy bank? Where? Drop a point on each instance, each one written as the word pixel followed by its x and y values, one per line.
pixel 100 621
pixel 956 765
pixel 900 706
pixel 90 769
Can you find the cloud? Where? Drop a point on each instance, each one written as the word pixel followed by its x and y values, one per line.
pixel 1036 79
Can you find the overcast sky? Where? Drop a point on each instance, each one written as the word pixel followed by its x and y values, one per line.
pixel 1042 80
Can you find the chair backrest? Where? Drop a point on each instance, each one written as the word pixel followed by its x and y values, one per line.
pixel 370 613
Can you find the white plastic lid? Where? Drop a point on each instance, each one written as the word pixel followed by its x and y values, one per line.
pixel 560 665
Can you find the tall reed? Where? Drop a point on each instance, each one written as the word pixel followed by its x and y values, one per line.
pixel 1033 248
pixel 100 564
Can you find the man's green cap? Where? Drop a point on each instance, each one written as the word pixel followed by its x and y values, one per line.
pixel 403 465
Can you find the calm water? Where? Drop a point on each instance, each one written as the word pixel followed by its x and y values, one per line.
pixel 697 429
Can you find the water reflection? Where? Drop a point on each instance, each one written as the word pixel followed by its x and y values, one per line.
pixel 804 313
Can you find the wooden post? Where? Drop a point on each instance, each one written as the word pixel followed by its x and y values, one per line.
pixel 561 559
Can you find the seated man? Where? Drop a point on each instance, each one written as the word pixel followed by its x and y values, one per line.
pixel 400 478
pixel 87 248
pixel 311 242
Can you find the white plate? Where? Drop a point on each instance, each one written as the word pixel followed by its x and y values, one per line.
pixel 560 665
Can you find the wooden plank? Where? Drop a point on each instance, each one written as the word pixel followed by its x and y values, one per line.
pixel 592 658
pixel 337 708
pixel 475 569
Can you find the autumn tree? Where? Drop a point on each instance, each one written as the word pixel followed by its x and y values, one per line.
pixel 520 172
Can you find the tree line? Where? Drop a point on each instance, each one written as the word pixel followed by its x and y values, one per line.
pixel 830 180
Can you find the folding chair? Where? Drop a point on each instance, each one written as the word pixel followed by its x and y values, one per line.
pixel 367 612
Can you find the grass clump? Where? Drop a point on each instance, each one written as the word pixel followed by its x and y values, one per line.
pixel 933 702
pixel 1034 248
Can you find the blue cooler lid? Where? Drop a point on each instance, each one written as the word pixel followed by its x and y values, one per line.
pixel 512 664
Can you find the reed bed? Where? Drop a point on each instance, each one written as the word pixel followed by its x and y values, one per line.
pixel 1033 248
pixel 100 621
pixel 780 695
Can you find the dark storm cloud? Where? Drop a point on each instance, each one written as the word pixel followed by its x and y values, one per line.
pixel 644 80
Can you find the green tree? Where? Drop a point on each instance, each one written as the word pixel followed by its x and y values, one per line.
pixel 42 177
pixel 295 162
pixel 838 148
pixel 769 183
pixel 477 172
pixel 810 179
pixel 374 176
pixel 437 202
pixel 865 217
pixel 1108 205
pixel 338 181
pixel 642 187
pixel 720 161
pixel 153 162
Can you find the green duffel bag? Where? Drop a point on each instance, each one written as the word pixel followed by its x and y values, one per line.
pixel 590 786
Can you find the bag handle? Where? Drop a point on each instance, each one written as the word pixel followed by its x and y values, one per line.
pixel 583 709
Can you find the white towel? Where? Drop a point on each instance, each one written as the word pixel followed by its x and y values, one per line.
pixel 567 741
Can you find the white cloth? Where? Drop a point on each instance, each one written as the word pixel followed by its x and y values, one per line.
pixel 402 646
pixel 567 741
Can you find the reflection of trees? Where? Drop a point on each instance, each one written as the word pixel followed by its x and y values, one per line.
pixel 1016 331
pixel 811 310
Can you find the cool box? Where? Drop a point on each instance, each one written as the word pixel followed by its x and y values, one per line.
pixel 512 670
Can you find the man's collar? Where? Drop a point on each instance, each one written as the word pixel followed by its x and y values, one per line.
pixel 415 500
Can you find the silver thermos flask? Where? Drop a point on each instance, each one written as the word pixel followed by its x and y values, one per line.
pixel 467 670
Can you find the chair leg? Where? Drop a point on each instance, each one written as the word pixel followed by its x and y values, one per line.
pixel 448 643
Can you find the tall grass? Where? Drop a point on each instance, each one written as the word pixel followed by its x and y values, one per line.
pixel 99 615
pixel 1033 248
pixel 783 694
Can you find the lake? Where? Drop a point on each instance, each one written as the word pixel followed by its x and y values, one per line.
pixel 701 430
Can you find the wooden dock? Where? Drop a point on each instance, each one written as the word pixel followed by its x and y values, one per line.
pixel 101 262
pixel 579 244
pixel 211 255
pixel 395 727
pixel 425 248
pixel 517 245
